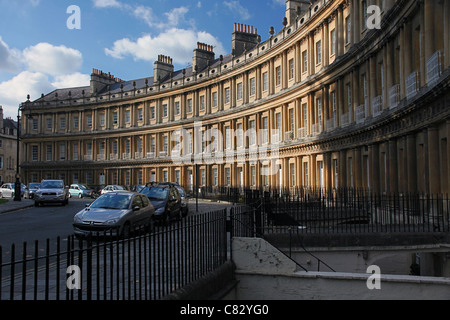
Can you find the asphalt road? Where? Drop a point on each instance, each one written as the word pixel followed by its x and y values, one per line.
pixel 41 223
pixel 53 221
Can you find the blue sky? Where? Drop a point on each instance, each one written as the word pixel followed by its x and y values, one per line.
pixel 39 53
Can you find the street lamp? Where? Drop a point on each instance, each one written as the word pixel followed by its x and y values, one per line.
pixel 18 184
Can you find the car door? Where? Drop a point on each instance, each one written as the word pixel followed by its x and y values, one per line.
pixel 137 214
pixel 174 202
pixel 73 191
pixel 6 191
pixel 178 201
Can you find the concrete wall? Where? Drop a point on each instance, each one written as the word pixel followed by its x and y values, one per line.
pixel 433 260
pixel 265 273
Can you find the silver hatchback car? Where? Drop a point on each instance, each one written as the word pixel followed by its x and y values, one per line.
pixel 51 191
pixel 114 213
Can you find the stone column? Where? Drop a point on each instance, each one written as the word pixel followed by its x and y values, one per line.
pixel 411 163
pixel 311 50
pixel 446 33
pixel 310 112
pixel 406 49
pixel 433 160
pixel 339 31
pixel 357 169
pixel 355 21
pixel 342 169
pixel 325 40
pixel 340 100
pixel 374 170
pixel 327 171
pixel 429 31
pixel 393 169
pixel 372 81
pixel 258 83
pixel 389 71
pixel 355 92
pixel 324 106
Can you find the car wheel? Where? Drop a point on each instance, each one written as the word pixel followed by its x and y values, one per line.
pixel 166 220
pixel 151 225
pixel 126 231
pixel 36 204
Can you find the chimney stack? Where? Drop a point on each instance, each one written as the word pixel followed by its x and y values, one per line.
pixel 203 55
pixel 163 68
pixel 99 79
pixel 294 7
pixel 245 38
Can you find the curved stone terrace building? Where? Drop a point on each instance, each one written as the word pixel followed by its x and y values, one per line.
pixel 348 94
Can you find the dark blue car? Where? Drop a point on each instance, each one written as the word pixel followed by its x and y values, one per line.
pixel 167 202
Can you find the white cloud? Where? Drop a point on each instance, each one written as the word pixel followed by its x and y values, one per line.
pixel 38 69
pixel 53 60
pixel 9 58
pixel 236 7
pixel 172 19
pixel 176 43
pixel 146 14
pixel 73 80
pixel 15 91
pixel 176 16
pixel 107 4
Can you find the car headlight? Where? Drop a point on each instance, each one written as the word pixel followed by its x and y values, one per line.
pixel 160 210
pixel 77 219
pixel 112 221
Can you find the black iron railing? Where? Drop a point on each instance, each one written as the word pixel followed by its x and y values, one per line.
pixel 146 266
pixel 152 265
pixel 351 212
pixel 345 210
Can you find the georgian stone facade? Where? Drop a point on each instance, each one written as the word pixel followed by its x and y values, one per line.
pixel 326 102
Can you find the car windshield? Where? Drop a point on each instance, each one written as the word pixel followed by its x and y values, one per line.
pixel 181 191
pixel 155 193
pixel 34 185
pixel 115 201
pixel 82 187
pixel 52 185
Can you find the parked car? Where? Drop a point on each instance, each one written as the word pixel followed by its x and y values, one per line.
pixel 32 188
pixel 51 191
pixel 116 212
pixel 80 191
pixel 111 188
pixel 137 187
pixel 8 190
pixel 167 202
pixel 184 202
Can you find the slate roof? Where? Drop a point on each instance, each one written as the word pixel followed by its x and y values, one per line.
pixel 80 92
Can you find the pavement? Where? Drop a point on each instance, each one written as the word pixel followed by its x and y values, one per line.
pixel 12 205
